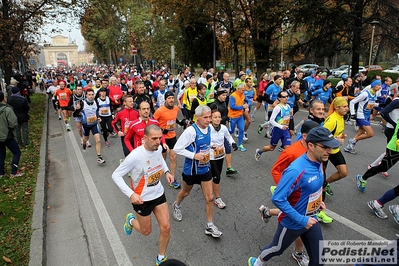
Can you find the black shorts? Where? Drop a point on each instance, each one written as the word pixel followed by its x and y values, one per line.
pixel 147 207
pixel 196 179
pixel 65 108
pixel 259 99
pixel 171 143
pixel 337 158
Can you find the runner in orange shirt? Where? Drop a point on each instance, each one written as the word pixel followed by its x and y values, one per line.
pixel 63 96
pixel 167 118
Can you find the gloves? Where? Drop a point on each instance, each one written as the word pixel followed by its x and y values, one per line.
pixel 235 147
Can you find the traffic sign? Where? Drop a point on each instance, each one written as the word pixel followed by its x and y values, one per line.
pixel 134 50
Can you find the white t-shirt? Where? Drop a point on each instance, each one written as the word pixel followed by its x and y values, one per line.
pixel 146 169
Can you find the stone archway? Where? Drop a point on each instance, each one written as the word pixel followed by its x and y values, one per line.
pixel 62 59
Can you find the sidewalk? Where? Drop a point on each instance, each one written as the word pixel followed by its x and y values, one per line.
pixel 58 237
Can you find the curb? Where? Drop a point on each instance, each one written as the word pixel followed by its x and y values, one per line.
pixel 37 245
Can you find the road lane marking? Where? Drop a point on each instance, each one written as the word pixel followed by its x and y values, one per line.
pixel 112 236
pixel 354 226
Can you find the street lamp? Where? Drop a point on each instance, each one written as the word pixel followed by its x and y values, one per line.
pixel 373 23
pixel 284 26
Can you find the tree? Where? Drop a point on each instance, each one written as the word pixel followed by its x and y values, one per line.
pixel 20 25
pixel 343 26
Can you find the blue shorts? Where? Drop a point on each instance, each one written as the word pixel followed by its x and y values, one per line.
pixel 94 129
pixel 279 134
pixel 78 119
pixel 362 122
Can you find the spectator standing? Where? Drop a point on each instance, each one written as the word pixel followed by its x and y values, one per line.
pixel 21 110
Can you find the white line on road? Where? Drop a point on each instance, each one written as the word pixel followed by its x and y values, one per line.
pixel 112 236
pixel 354 226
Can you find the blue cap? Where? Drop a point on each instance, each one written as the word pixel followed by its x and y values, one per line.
pixel 313 72
pixel 375 83
pixel 344 76
pixel 322 135
pixel 248 71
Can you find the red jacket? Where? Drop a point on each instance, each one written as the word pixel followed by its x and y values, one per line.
pixel 126 114
pixel 136 130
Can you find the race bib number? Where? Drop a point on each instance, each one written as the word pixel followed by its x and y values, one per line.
pixel 126 126
pixel 211 95
pixel 270 107
pixel 356 91
pixel 104 111
pixel 63 96
pixel 219 152
pixel 286 120
pixel 370 105
pixel 153 177
pixel 170 125
pixel 91 119
pixel 314 203
pixel 206 159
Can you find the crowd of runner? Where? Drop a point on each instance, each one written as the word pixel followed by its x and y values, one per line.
pixel 145 108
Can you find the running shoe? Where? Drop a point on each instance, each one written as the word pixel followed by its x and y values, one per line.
pixel 236 133
pixel 351 146
pixel 251 261
pixel 273 189
pixel 280 149
pixel 128 227
pixel 219 202
pixel 260 128
pixel 258 154
pixel 241 148
pixel 158 262
pixel 264 213
pixel 88 144
pixel 231 171
pixel 176 212
pixel 84 146
pixel 107 144
pixel 114 134
pixel 329 190
pixel 361 184
pixel 213 230
pixel 385 174
pixel 394 211
pixel 245 138
pixel 269 133
pixel 68 127
pixel 379 212
pixel 324 218
pixel 59 117
pixel 300 257
pixel 175 184
pixel 17 174
pixel 252 118
pixel 349 123
pixel 100 160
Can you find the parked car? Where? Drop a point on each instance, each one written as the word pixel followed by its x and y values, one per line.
pixel 345 70
pixel 374 68
pixel 341 68
pixel 306 68
pixel 394 69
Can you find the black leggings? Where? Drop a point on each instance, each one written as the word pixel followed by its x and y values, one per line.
pixel 216 169
pixel 106 126
pixel 389 160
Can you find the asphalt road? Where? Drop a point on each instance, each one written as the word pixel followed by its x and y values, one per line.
pixel 102 207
